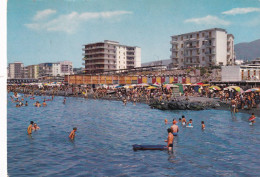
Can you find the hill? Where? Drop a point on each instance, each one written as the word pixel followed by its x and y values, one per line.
pixel 247 50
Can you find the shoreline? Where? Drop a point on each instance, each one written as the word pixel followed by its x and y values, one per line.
pixel 205 103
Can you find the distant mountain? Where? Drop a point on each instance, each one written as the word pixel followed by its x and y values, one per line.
pixel 160 62
pixel 247 50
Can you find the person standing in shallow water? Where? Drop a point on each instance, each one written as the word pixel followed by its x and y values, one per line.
pixel 29 129
pixel 72 133
pixel 169 139
pixel 64 100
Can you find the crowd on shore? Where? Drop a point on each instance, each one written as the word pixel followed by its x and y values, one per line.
pixel 236 98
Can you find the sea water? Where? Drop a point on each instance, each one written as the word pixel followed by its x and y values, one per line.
pixel 228 146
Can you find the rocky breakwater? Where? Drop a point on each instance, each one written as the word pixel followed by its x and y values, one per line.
pixel 184 105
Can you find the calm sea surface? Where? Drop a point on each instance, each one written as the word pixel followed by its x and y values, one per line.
pixel 228 146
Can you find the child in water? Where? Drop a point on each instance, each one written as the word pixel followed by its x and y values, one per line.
pixel 72 133
pixel 165 121
pixel 202 125
pixel 252 119
pixel 190 123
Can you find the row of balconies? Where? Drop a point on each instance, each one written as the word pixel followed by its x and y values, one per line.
pixel 174 40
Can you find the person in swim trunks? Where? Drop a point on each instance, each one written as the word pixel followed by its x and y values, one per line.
pixel 169 140
pixel 233 105
pixel 29 129
pixel 72 133
pixel 202 125
pixel 174 128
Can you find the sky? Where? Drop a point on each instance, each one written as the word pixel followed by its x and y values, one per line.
pixel 55 30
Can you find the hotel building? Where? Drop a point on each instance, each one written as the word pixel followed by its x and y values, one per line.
pixel 209 47
pixel 110 55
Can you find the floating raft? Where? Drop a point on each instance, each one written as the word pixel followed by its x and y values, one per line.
pixel 149 147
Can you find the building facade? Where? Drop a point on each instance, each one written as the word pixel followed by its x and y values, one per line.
pixel 16 70
pixel 248 72
pixel 66 68
pixel 203 48
pixel 33 71
pixel 110 55
pixel 49 69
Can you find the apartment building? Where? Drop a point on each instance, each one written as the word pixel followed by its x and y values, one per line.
pixel 33 71
pixel 110 55
pixel 16 70
pixel 49 69
pixel 203 48
pixel 66 68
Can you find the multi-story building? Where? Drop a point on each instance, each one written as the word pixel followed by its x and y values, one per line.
pixel 203 48
pixel 49 69
pixel 66 68
pixel 110 55
pixel 16 70
pixel 33 71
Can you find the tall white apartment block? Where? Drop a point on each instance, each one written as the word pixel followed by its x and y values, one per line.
pixel 110 55
pixel 211 47
pixel 16 70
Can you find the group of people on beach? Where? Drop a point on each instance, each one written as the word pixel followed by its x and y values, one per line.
pixel 174 129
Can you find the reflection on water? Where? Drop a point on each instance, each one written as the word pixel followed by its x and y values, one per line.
pixel 108 129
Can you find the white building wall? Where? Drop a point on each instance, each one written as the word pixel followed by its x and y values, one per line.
pixel 56 69
pixel 137 57
pixel 121 57
pixel 221 47
pixel 230 73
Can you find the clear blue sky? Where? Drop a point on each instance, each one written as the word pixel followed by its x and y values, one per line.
pixel 55 30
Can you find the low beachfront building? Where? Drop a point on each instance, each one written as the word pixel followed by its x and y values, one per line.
pixel 110 55
pixel 211 47
pixel 249 72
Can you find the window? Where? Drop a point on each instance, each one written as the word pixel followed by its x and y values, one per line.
pixel 181 45
pixel 203 58
pixel 191 36
pixel 182 38
pixel 198 36
pixel 203 34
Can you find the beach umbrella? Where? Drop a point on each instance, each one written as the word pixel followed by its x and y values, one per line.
pixel 206 85
pixel 119 86
pixel 253 90
pixel 156 84
pixel 214 87
pixel 238 89
pixel 151 87
pixel 200 83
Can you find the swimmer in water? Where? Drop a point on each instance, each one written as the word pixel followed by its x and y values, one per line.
pixel 72 133
pixel 26 103
pixel 179 119
pixel 17 105
pixel 44 104
pixel 35 127
pixel 183 120
pixel 190 123
pixel 29 129
pixel 252 119
pixel 165 121
pixel 174 128
pixel 202 125
pixel 64 100
pixel 169 140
